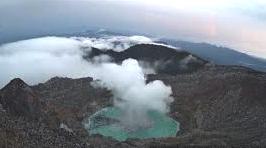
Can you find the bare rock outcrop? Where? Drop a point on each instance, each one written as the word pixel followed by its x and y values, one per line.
pixel 19 99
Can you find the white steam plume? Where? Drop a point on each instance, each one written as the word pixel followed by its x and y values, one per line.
pixel 131 93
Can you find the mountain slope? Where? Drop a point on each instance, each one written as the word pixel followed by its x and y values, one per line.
pixel 219 55
pixel 163 59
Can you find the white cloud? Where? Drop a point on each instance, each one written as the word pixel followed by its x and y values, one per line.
pixel 116 43
pixel 53 45
pixel 39 59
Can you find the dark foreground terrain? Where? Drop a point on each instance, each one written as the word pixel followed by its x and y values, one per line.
pixel 221 106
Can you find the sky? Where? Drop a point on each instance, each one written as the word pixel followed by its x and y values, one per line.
pixel 239 24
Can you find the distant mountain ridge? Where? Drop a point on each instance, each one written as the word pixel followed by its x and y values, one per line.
pixel 208 52
pixel 219 55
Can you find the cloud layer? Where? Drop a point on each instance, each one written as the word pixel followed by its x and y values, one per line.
pixel 116 43
pixel 36 60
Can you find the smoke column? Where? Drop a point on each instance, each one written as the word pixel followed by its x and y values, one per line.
pixel 131 93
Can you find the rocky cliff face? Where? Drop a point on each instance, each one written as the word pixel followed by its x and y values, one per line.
pixel 215 105
pixel 19 99
pixel 219 105
pixel 65 103
pixel 71 100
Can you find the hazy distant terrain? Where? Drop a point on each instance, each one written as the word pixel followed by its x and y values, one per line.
pixel 220 55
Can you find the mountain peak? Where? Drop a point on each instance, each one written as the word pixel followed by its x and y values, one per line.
pixel 16 83
pixel 18 98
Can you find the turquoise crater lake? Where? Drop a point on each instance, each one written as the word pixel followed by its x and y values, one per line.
pixel 106 122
